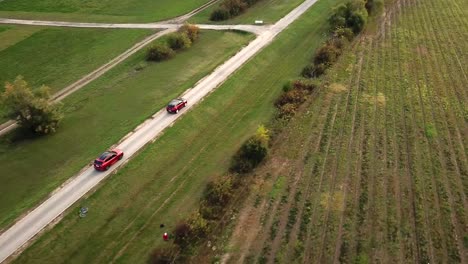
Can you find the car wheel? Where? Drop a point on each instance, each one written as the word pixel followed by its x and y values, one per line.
pixel 107 167
pixel 121 157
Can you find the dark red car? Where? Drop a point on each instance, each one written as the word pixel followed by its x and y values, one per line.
pixel 175 105
pixel 107 159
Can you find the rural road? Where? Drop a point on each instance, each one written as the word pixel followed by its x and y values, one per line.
pixel 23 230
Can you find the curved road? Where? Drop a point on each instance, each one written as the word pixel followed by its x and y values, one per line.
pixel 22 231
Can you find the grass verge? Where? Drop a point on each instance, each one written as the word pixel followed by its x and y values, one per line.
pixel 57 57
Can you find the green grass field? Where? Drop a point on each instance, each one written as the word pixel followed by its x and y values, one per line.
pixel 269 11
pixel 376 163
pixel 57 57
pixel 99 115
pixel 162 184
pixel 97 10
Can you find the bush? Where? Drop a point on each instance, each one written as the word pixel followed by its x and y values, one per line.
pixel 304 84
pixel 179 41
pixel 188 233
pixel 235 7
pixel 352 14
pixel 346 33
pixel 249 156
pixel 327 54
pixel 339 43
pixel 288 86
pixel 182 235
pixel 314 71
pixel 191 31
pixel 287 110
pixel 357 21
pixel 211 212
pixel 159 52
pixel 218 192
pixel 32 110
pixel 294 96
pixel 163 256
pixel 220 14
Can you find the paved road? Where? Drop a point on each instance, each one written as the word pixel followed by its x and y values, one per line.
pixel 26 228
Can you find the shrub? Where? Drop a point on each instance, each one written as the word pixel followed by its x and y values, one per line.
pixel 163 256
pixel 357 21
pixel 182 235
pixel 220 14
pixel 327 54
pixel 304 84
pixel 314 71
pixel 179 41
pixel 159 52
pixel 287 110
pixel 251 153
pixel 32 110
pixel 235 7
pixel 218 192
pixel 346 33
pixel 211 212
pixel 294 96
pixel 352 14
pixel 187 233
pixel 250 2
pixel 191 31
pixel 287 86
pixel 339 43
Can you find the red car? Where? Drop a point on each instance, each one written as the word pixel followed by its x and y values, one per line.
pixel 107 159
pixel 175 105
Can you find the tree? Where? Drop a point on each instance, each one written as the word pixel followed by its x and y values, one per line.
pixel 252 152
pixel 220 14
pixel 179 41
pixel 191 31
pixel 32 110
pixel 352 14
pixel 159 52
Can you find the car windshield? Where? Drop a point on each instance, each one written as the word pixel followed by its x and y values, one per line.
pixel 97 162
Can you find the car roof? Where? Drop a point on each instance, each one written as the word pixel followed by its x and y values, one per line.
pixel 176 101
pixel 105 155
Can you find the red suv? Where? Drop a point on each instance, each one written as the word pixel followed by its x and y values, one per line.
pixel 175 105
pixel 107 159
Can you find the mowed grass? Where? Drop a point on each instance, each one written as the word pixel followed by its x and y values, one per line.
pixel 376 163
pixel 100 114
pixel 269 11
pixel 98 10
pixel 57 57
pixel 163 183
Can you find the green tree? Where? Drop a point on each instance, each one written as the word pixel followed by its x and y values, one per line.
pixel 192 31
pixel 179 41
pixel 159 52
pixel 352 14
pixel 32 110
